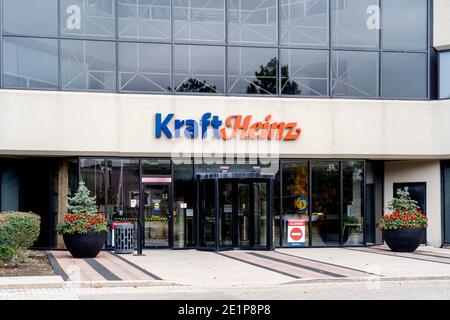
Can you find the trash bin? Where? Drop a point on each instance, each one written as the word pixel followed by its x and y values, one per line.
pixel 123 237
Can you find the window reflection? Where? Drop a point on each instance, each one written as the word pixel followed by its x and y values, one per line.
pixel 353 195
pixel 252 70
pixel 304 23
pixel 355 74
pixel 144 67
pixel 88 18
pixel 295 192
pixel 144 19
pixel 326 203
pixel 252 21
pixel 199 69
pixel 93 174
pixel 355 23
pixel 201 20
pixel 304 72
pixel 20 69
pixel 88 65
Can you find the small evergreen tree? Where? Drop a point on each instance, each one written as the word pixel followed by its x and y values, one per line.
pixel 82 201
pixel 403 202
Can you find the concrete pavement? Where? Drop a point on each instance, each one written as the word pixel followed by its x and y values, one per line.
pixel 240 268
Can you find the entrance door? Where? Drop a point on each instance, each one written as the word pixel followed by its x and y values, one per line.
pixel 243 214
pixel 156 214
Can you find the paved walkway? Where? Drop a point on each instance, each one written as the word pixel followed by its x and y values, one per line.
pixel 241 267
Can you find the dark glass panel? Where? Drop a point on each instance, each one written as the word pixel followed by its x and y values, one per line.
pixel 353 195
pixel 207 212
pixel 326 203
pixel 199 69
pixel 88 65
pixel 252 70
pixel 304 72
pixel 156 167
pixel 295 190
pixel 404 75
pixel 20 69
pixel 184 202
pixel 355 74
pixel 144 67
pixel 9 188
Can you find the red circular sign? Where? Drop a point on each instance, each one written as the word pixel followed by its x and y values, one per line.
pixel 296 234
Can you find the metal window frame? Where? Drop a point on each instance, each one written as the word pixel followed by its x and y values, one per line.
pixel 227 45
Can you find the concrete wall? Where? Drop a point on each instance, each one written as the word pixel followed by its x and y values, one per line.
pixel 72 123
pixel 441 25
pixel 419 171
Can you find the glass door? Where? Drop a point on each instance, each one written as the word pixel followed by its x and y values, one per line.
pixel 156 214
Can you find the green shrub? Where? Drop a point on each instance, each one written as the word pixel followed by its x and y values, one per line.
pixel 18 231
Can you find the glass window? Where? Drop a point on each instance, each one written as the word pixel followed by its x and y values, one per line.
pixel 184 203
pixel 295 193
pixel 93 173
pixel 200 20
pixel 252 70
pixel 88 65
pixel 156 167
pixel 326 204
pixel 88 18
pixel 9 188
pixel 144 67
pixel 199 69
pixel 252 21
pixel 355 74
pixel 444 75
pixel 144 19
pixel 404 24
pixel 123 192
pixel 355 23
pixel 304 23
pixel 30 63
pixel 304 72
pixel 404 75
pixel 353 195
pixel 30 17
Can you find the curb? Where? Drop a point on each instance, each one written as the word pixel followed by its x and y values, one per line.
pixel 61 284
pixel 366 279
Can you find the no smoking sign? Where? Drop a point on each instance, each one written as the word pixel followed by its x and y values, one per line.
pixel 296 232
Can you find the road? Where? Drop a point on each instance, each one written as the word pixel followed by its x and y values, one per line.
pixel 390 290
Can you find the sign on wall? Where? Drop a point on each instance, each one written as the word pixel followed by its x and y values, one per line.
pixel 296 233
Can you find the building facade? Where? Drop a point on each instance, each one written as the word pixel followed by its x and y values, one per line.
pixel 219 124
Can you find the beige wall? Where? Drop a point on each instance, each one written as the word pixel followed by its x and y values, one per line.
pixel 419 171
pixel 72 123
pixel 441 25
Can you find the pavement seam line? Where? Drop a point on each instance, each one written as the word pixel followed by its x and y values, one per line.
pixel 101 269
pixel 330 264
pixel 155 277
pixel 260 266
pixel 416 253
pixel 395 255
pixel 298 265
pixel 56 266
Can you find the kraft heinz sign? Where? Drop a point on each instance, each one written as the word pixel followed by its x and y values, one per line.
pixel 234 126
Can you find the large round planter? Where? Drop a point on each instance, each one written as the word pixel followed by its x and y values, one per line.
pixel 85 245
pixel 404 240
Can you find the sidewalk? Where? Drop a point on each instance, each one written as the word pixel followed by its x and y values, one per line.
pixel 239 267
